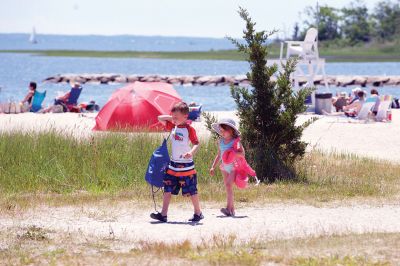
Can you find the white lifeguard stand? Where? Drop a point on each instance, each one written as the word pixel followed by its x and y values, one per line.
pixel 309 64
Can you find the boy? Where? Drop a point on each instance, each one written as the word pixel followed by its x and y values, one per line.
pixel 180 172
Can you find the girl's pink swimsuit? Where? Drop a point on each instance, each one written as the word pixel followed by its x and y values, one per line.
pixel 237 163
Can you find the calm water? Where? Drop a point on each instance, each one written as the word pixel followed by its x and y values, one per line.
pixel 112 43
pixel 16 70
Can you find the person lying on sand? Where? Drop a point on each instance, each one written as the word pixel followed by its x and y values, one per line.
pixel 354 108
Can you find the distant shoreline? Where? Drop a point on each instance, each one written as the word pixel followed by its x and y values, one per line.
pixel 348 55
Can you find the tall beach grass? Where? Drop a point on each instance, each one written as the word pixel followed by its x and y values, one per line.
pixel 115 163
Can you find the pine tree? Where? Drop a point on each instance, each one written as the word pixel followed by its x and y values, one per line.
pixel 268 109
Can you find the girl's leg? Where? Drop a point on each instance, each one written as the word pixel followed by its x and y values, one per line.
pixel 228 180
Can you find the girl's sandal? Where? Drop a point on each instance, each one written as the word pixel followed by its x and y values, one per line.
pixel 225 212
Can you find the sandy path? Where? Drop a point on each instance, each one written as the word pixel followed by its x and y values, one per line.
pixel 128 222
pixel 338 134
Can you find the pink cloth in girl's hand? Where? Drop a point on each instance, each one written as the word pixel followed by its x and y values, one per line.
pixel 240 165
pixel 230 155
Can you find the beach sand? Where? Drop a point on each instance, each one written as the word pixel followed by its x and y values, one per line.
pixel 131 223
pixel 329 133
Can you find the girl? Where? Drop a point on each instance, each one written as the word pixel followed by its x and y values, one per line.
pixel 226 128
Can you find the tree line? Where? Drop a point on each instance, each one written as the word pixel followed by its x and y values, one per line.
pixel 354 23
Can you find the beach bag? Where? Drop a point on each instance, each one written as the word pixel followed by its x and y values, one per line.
pixel 158 164
pixel 12 108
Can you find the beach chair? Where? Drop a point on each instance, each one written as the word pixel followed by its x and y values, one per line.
pixel 195 112
pixel 384 107
pixel 366 108
pixel 72 101
pixel 307 49
pixel 37 101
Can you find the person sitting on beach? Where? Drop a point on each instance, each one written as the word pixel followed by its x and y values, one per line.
pixel 27 101
pixel 60 103
pixel 354 108
pixel 355 95
pixel 375 94
pixel 340 102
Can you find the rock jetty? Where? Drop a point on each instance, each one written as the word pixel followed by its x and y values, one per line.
pixel 221 80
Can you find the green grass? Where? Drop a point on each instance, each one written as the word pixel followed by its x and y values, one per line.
pixel 375 52
pixel 207 55
pixel 52 167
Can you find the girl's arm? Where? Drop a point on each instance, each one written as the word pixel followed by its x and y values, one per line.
pixel 215 162
pixel 239 149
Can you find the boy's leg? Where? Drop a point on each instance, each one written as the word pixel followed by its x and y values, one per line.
pixel 196 204
pixel 189 187
pixel 170 187
pixel 166 201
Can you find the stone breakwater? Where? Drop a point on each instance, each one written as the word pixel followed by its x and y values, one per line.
pixel 221 80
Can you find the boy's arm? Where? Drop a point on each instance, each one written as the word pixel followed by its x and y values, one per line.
pixel 195 142
pixel 193 151
pixel 164 118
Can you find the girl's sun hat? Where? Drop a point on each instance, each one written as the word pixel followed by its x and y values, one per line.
pixel 225 121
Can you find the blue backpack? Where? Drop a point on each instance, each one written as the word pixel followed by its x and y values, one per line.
pixel 158 164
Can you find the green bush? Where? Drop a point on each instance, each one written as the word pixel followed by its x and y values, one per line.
pixel 268 110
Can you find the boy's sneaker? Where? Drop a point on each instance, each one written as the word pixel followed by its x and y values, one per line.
pixel 158 216
pixel 196 218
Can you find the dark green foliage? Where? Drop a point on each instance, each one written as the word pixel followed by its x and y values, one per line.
pixel 325 19
pixel 356 24
pixel 268 110
pixel 386 19
pixel 209 120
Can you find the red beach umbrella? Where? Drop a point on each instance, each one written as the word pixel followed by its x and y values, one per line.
pixel 137 106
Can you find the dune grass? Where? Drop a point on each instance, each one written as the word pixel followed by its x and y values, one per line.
pixel 58 168
pixel 36 246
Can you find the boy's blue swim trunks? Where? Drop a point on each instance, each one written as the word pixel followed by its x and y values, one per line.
pixel 181 175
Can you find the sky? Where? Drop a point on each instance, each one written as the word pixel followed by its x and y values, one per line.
pixel 195 18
